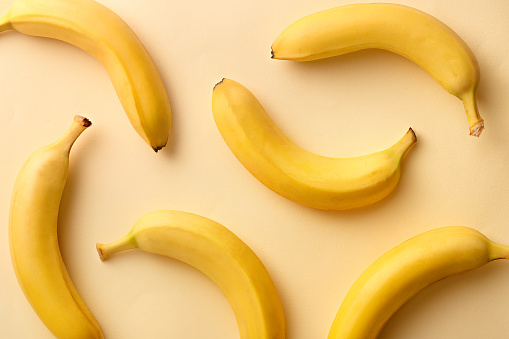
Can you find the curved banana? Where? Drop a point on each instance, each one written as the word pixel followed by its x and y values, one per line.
pixel 33 240
pixel 103 34
pixel 404 271
pixel 218 253
pixel 294 173
pixel 403 30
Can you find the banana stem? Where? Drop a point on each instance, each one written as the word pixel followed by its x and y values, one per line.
pixel 404 144
pixel 78 125
pixel 475 122
pixel 122 244
pixel 498 251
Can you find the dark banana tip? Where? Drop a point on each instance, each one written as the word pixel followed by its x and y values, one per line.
pixel 82 120
pixel 219 82
pixel 271 53
pixel 411 130
pixel 87 123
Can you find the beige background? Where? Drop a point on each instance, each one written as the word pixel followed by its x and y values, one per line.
pixel 350 105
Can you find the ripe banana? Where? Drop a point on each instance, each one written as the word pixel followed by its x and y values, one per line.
pixel 403 30
pixel 33 240
pixel 294 173
pixel 219 254
pixel 404 271
pixel 103 34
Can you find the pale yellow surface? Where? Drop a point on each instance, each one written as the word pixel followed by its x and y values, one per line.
pixel 345 106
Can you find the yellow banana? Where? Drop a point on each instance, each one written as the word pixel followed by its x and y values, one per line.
pixel 33 240
pixel 404 271
pixel 103 34
pixel 406 31
pixel 294 173
pixel 219 254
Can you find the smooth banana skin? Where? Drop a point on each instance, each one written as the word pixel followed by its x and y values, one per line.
pixel 400 29
pixel 103 34
pixel 404 271
pixel 294 173
pixel 219 254
pixel 33 240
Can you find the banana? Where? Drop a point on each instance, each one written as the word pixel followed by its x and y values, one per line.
pixel 103 34
pixel 219 254
pixel 400 29
pixel 404 271
pixel 33 240
pixel 294 173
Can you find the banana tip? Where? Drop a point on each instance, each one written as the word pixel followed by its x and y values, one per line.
pixel 219 82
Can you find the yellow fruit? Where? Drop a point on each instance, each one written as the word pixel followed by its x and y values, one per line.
pixel 33 240
pixel 404 271
pixel 403 30
pixel 219 254
pixel 294 173
pixel 103 34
